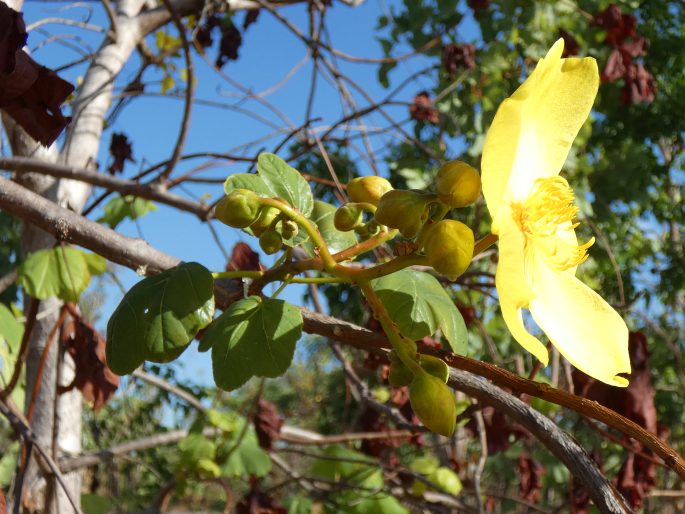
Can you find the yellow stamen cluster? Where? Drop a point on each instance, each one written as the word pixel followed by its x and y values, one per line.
pixel 544 215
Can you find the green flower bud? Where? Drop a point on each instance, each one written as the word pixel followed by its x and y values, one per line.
pixel 434 404
pixel 447 480
pixel 449 247
pixel 207 468
pixel 348 217
pixel 457 184
pixel 266 217
pixel 239 209
pixel 289 229
pixel 368 189
pixel 434 366
pixel 403 210
pixel 270 241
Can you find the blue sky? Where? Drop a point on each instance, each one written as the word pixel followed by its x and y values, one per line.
pixel 268 53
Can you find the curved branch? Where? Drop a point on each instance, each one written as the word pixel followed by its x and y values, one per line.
pixel 603 494
pixel 125 187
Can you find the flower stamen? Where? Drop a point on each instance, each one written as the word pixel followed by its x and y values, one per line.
pixel 546 219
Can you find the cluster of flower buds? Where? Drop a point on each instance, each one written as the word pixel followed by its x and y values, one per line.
pixel 417 215
pixel 242 208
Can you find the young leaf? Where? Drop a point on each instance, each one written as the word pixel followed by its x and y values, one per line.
pixel 323 214
pixel 246 459
pixel 195 447
pixel 11 329
pixel 275 179
pixel 96 504
pixel 121 207
pixel 419 305
pixel 159 316
pixel 63 272
pixel 253 337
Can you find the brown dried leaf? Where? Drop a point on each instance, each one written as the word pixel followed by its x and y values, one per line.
pixel 640 85
pixel 93 378
pixel 3 503
pixel 250 18
pixel 571 46
pixel 257 502
pixel 267 424
pixel 30 94
pixel 456 57
pixel 530 474
pixel 422 109
pixel 121 151
pixel 243 258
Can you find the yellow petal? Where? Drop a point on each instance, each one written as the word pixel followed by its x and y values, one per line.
pixel 512 286
pixel 585 329
pixel 533 130
pixel 513 319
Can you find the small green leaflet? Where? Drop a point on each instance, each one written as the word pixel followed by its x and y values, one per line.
pixel 11 332
pixel 419 305
pixel 96 504
pixel 63 272
pixel 253 337
pixel 121 207
pixel 195 447
pixel 159 316
pixel 246 459
pixel 342 464
pixel 336 240
pixel 275 179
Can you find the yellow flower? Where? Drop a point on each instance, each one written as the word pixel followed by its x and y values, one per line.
pixel 533 214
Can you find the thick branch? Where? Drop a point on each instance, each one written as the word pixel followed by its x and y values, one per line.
pixel 68 226
pixel 603 494
pixel 125 187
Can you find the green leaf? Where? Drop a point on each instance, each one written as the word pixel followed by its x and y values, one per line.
pixel 341 464
pixel 121 207
pixel 323 214
pixel 419 305
pixel 245 459
pixel 159 316
pixel 97 264
pixel 62 271
pixel 8 464
pixel 253 337
pixel 275 179
pixel 195 447
pixel 11 329
pixel 96 504
pixel 299 505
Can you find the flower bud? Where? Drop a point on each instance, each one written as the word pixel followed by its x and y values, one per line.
pixel 403 210
pixel 434 366
pixel 289 229
pixel 447 480
pixel 348 217
pixel 270 241
pixel 266 217
pixel 449 247
pixel 368 189
pixel 457 184
pixel 239 209
pixel 434 404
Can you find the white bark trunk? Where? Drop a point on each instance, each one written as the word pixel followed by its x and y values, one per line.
pixel 62 428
